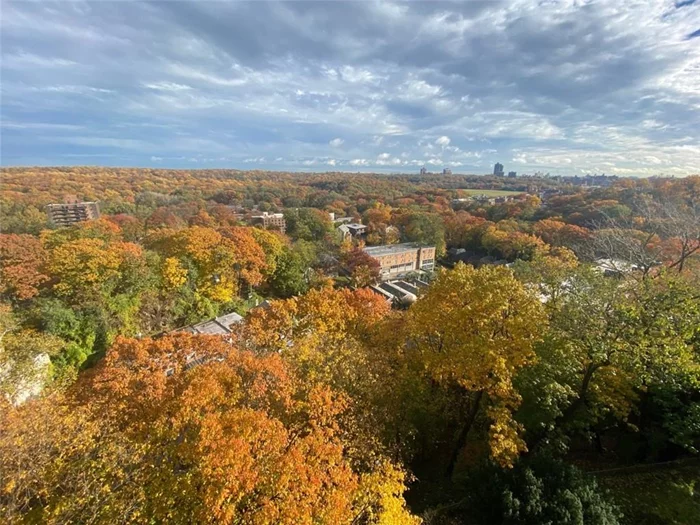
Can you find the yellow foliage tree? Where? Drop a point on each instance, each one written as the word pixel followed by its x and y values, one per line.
pixel 475 329
pixel 173 274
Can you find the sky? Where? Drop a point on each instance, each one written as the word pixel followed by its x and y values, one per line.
pixel 566 87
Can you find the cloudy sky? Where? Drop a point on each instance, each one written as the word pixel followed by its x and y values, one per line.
pixel 570 86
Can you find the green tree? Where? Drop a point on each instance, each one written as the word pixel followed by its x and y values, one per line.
pixel 24 358
pixel 539 491
pixel 424 228
pixel 308 224
pixel 609 340
pixel 289 277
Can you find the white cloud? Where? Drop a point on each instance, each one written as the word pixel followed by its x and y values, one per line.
pixel 23 60
pixel 167 86
pixel 195 74
pixel 560 86
pixel 357 75
pixel 77 90
pixel 419 89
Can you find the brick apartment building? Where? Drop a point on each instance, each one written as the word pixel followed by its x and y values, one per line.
pixel 273 221
pixel 399 259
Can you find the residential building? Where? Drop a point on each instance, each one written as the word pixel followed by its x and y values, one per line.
pixel 70 213
pixel 512 174
pixel 423 171
pixel 222 325
pixel 270 221
pixel 483 199
pixel 397 293
pixel 354 229
pixel 498 169
pixel 398 259
pixel 447 171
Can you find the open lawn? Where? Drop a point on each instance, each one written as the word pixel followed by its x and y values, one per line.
pixel 489 193
pixel 664 496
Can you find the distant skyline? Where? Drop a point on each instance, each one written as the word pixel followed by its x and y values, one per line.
pixel 567 87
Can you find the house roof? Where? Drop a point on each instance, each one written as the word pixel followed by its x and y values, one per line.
pixel 218 326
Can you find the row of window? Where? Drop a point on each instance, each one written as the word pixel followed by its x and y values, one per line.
pixel 401 268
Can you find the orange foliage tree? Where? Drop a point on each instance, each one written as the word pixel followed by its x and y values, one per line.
pixel 188 429
pixel 22 266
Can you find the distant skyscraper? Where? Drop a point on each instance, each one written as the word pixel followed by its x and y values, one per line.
pixel 498 169
pixel 512 174
pixel 423 171
pixel 447 171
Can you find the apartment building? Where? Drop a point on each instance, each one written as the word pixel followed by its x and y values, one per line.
pixel 273 221
pixel 351 230
pixel 70 213
pixel 399 259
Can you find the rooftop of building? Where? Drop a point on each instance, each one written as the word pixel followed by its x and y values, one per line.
pixel 218 326
pixel 389 249
pixel 268 215
pixel 65 204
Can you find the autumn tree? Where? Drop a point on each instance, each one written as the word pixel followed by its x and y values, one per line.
pixel 475 330
pixel 86 268
pixel 610 340
pixel 272 244
pixel 22 266
pixel 131 227
pixel 362 267
pixel 190 429
pixel 324 336
pixel 660 232
pixel 378 222
pixel 99 229
pixel 463 230
pixel 511 244
pixel 250 258
pixel 558 233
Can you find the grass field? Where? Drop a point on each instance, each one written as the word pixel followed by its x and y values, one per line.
pixel 658 497
pixel 490 193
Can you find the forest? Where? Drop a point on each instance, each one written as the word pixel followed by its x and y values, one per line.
pixel 549 372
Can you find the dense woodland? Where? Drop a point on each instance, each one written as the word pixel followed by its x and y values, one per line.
pixel 528 388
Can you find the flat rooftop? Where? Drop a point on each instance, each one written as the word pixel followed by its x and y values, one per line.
pixel 389 249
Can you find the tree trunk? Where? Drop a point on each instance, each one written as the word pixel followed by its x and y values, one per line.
pixel 463 434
